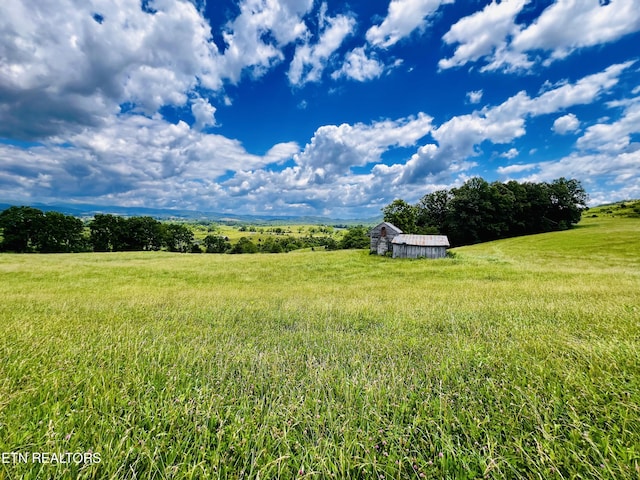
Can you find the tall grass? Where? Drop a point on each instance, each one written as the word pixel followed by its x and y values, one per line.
pixel 513 359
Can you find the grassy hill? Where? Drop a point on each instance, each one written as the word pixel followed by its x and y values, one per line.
pixel 629 209
pixel 513 359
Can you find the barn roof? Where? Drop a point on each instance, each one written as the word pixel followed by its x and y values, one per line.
pixel 421 240
pixel 389 226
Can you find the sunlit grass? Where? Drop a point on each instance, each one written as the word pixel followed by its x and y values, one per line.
pixel 513 359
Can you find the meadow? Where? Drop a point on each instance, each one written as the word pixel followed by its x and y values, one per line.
pixel 512 359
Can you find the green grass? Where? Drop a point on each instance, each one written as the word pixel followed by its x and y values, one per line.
pixel 628 208
pixel 513 359
pixel 233 233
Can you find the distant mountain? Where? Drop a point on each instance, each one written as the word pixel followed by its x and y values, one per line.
pixel 88 210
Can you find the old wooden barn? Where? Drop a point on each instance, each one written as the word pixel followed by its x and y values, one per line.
pixel 419 246
pixel 381 237
pixel 386 237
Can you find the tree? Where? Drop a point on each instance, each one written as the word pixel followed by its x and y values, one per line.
pixel 216 244
pixel 178 237
pixel 244 245
pixel 107 233
pixel 478 211
pixel 401 214
pixel 21 227
pixel 142 233
pixel 431 210
pixel 470 212
pixel 61 233
pixel 568 199
pixel 503 202
pixel 355 237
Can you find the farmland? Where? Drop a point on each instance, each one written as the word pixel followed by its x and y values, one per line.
pixel 511 359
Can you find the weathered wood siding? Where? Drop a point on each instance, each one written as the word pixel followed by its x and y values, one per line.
pixel 416 251
pixel 381 247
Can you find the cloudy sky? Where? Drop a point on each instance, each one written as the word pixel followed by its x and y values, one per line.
pixel 313 107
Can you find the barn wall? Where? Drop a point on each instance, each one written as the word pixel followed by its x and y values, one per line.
pixel 416 251
pixel 375 238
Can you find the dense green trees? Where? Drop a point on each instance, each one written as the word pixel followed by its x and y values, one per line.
pixel 355 237
pixel 401 214
pixel 111 233
pixel 479 211
pixel 178 237
pixel 27 229
pixel 216 244
pixel 61 233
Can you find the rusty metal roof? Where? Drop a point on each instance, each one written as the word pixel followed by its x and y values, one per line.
pixel 421 240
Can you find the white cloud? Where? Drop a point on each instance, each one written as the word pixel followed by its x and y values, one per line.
pixel 309 61
pixel 511 153
pixel 562 28
pixel 616 136
pixel 336 148
pixel 474 96
pixel 403 17
pixel 358 66
pixel 248 46
pixel 131 158
pixel 568 25
pixel 615 169
pixel 583 92
pixel 61 68
pixel 481 33
pixel 322 177
pixel 204 113
pixel 568 123
pixel 518 168
pixel 459 138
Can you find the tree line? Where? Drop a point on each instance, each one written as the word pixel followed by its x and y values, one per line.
pixel 29 230
pixel 479 211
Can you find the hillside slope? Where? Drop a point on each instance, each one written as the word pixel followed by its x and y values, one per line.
pixel 513 359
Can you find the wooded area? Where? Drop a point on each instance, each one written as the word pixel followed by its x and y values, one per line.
pixel 29 230
pixel 479 211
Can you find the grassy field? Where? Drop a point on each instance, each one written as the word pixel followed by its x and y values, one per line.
pixel 513 359
pixel 255 232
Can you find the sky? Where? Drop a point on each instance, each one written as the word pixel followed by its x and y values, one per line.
pixel 313 107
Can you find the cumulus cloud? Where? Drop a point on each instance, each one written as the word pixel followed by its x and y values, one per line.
pixel 459 138
pixel 568 123
pixel 568 25
pixel 67 64
pixel 403 17
pixel 88 80
pixel 131 157
pixel 482 33
pixel 615 137
pixel 254 39
pixel 564 27
pixel 336 148
pixel 321 176
pixel 203 113
pixel 510 154
pixel 134 157
pixel 360 67
pixel 621 169
pixel 309 61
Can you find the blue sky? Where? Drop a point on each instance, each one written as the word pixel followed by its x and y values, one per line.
pixel 307 107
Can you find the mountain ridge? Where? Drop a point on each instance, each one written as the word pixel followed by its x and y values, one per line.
pixel 90 210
